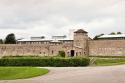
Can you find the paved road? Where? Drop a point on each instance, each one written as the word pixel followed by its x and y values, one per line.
pixel 110 74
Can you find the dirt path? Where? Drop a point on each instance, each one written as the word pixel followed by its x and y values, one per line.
pixel 110 74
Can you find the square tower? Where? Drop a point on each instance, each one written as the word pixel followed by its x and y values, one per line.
pixel 81 41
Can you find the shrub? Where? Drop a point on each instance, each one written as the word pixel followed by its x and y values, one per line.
pixel 62 53
pixel 44 62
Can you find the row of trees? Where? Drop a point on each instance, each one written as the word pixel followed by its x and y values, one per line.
pixel 97 36
pixel 112 33
pixel 115 33
pixel 10 39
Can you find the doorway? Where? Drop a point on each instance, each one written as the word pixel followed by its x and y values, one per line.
pixel 72 53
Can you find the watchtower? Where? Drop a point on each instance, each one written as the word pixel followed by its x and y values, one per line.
pixel 81 41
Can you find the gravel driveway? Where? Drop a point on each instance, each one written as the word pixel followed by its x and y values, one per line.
pixel 110 74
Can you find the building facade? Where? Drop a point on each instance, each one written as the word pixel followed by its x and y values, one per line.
pixel 80 45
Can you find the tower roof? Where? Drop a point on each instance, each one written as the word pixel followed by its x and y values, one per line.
pixel 80 31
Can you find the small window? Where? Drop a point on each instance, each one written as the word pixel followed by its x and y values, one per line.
pixel 84 53
pixel 52 51
pixel 40 53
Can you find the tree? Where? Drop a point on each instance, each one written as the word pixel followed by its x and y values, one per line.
pixel 10 39
pixel 112 33
pixel 119 33
pixel 97 36
pixel 1 41
pixel 62 53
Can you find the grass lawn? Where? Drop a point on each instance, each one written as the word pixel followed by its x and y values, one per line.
pixel 11 73
pixel 109 61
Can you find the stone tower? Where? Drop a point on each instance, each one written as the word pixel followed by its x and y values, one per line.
pixel 81 41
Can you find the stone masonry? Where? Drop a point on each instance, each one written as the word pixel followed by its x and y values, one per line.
pixel 81 45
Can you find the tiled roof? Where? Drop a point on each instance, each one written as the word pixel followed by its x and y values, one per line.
pixel 80 31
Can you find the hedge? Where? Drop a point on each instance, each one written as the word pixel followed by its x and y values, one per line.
pixel 46 62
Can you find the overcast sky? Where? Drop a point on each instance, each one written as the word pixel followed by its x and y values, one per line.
pixel 28 18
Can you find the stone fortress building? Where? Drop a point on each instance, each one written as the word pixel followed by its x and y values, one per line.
pixel 80 45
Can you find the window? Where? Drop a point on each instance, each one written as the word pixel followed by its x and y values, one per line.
pixel 40 53
pixel 84 53
pixel 52 51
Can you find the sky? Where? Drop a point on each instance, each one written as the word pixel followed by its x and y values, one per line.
pixel 28 18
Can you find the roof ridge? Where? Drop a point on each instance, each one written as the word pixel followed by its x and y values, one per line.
pixel 80 31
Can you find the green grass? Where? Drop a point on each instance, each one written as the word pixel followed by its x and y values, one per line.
pixel 107 56
pixel 11 73
pixel 109 62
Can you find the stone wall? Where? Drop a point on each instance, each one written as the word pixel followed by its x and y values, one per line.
pixel 34 49
pixel 107 47
pixel 95 48
pixel 17 49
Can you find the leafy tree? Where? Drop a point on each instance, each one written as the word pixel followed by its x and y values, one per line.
pixel 112 33
pixel 10 39
pixel 119 32
pixel 97 36
pixel 1 41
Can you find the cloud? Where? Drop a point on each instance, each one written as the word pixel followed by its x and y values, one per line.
pixel 27 18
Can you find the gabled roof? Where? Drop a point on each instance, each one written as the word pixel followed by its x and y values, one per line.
pixel 80 31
